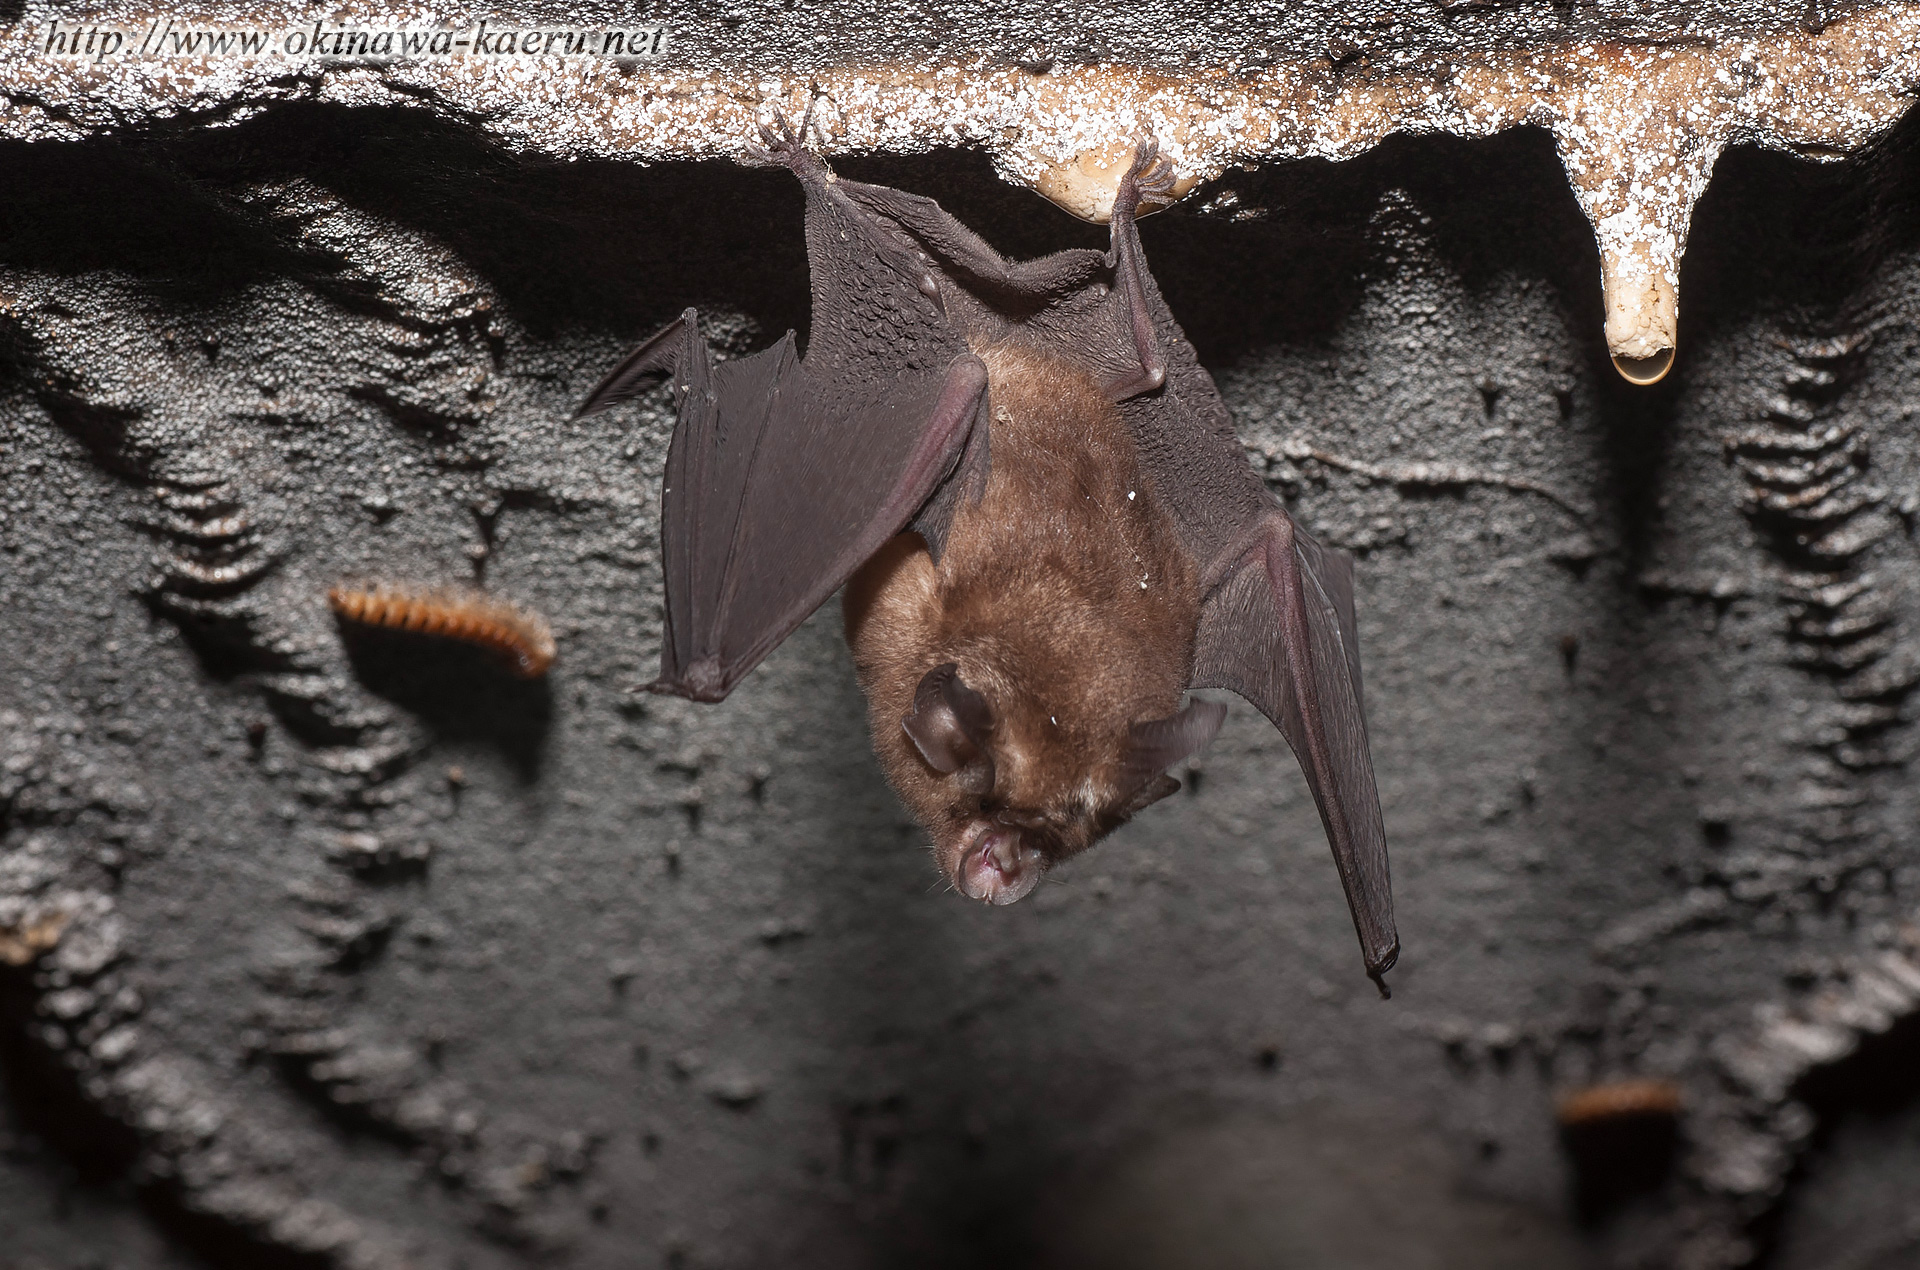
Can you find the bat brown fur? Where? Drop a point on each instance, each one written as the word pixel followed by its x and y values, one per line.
pixel 1062 597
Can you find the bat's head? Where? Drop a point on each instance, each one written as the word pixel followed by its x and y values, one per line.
pixel 1019 790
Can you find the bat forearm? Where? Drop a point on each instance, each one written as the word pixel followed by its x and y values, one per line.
pixel 959 250
pixel 1275 629
pixel 1148 176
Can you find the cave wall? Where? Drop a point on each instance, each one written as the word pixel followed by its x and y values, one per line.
pixel 321 948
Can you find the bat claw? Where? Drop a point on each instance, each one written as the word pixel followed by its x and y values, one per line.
pixel 806 120
pixel 786 147
pixel 1158 184
pixel 1145 153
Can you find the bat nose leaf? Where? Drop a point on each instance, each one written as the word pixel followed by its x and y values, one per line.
pixel 999 868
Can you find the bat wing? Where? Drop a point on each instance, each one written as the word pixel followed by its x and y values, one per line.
pixel 785 474
pixel 1277 626
pixel 1278 629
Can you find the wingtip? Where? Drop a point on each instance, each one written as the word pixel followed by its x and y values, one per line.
pixel 1379 964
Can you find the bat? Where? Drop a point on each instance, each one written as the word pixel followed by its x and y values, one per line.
pixel 1047 529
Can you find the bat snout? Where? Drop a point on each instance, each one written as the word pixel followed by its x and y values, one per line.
pixel 996 865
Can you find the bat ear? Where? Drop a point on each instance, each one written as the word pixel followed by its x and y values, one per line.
pixel 950 723
pixel 1158 744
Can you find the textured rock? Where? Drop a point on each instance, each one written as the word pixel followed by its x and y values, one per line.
pixel 338 947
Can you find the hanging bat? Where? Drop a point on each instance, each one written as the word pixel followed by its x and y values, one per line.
pixel 1046 525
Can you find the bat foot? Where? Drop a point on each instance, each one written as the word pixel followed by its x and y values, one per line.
pixel 1149 180
pixel 782 146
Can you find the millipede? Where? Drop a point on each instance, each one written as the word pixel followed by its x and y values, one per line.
pixel 483 620
pixel 1619 1100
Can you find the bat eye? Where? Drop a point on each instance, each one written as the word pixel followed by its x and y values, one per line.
pixel 976 776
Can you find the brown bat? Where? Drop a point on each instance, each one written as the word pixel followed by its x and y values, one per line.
pixel 1046 524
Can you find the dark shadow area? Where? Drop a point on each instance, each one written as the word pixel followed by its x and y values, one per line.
pixel 102 431
pixel 1618 1160
pixel 1017 222
pixel 1303 245
pixel 461 692
pixel 102 1153
pixel 628 247
pixel 296 1070
pixel 1881 1078
pixel 227 645
pixel 46 1100
pixel 110 204
pixel 1783 234
pixel 221 1245
pixel 565 244
pixel 913 1154
pixel 1867 1105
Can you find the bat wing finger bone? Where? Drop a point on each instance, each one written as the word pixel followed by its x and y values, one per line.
pixel 1146 153
pixel 1157 182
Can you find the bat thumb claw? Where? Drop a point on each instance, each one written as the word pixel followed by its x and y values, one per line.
pixel 1379 978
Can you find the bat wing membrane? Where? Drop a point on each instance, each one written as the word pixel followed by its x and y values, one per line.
pixel 1278 629
pixel 785 474
pixel 776 491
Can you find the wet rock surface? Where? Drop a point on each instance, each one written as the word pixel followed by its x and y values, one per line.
pixel 321 946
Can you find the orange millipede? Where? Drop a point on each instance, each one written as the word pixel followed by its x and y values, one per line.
pixel 1618 1100
pixel 523 638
